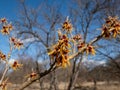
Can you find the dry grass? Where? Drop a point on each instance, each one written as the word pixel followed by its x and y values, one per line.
pixel 100 86
pixel 114 86
pixel 84 86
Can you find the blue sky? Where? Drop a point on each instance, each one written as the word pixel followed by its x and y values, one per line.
pixel 9 9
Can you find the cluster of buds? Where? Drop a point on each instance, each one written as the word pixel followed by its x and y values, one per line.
pixel 77 37
pixel 61 50
pixel 67 26
pixel 89 49
pixel 15 65
pixel 32 75
pixel 16 42
pixel 3 20
pixel 6 27
pixel 81 45
pixel 2 56
pixel 111 27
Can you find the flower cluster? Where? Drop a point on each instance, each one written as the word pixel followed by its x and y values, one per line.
pixel 32 75
pixel 2 56
pixel 6 27
pixel 16 42
pixel 81 45
pixel 3 20
pixel 89 49
pixel 15 65
pixel 61 50
pixel 77 37
pixel 111 27
pixel 67 26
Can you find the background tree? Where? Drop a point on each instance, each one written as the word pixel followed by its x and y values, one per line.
pixel 40 25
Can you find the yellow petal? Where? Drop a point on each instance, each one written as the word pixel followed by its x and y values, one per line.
pixel 93 52
pixel 51 52
pixel 114 34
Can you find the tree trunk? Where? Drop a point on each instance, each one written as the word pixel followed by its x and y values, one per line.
pixel 53 82
pixel 71 82
pixel 95 84
pixel 74 75
pixel 41 84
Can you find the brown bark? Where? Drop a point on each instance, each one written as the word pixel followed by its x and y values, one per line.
pixel 74 75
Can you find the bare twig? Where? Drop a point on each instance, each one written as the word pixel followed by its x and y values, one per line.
pixel 6 66
pixel 26 84
pixel 4 73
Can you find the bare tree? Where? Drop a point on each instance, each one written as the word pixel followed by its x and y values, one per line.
pixel 85 17
pixel 39 25
pixel 44 32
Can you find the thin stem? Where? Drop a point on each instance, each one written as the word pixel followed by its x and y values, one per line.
pixel 6 66
pixel 4 73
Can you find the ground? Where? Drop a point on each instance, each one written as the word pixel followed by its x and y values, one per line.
pixel 83 86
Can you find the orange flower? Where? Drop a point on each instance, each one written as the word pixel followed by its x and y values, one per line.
pixel 15 65
pixel 111 27
pixel 5 30
pixel 115 32
pixel 3 20
pixel 105 31
pixel 117 25
pixel 32 75
pixel 6 27
pixel 17 43
pixel 12 39
pixel 77 37
pixel 90 49
pixel 81 45
pixel 62 61
pixel 2 56
pixel 67 26
pixel 65 61
pixel 60 51
pixel 116 29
